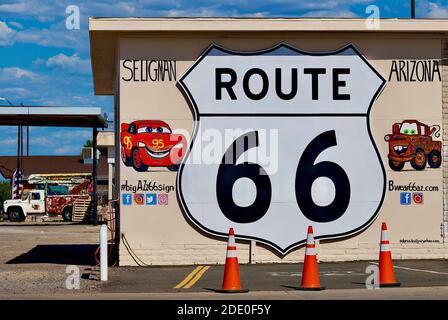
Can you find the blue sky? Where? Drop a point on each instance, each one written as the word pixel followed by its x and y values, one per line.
pixel 44 63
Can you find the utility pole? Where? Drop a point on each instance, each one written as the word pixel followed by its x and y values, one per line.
pixel 94 176
pixel 27 138
pixel 27 141
pixel 21 146
pixel 19 135
pixel 412 9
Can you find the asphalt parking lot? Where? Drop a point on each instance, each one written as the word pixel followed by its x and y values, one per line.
pixel 34 257
pixel 271 277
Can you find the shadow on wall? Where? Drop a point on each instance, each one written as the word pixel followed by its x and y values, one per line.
pixel 73 254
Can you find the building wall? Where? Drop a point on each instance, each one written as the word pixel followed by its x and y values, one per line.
pixel 445 135
pixel 163 235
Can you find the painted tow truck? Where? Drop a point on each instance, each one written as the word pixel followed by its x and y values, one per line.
pixel 413 141
pixel 36 202
pixel 151 143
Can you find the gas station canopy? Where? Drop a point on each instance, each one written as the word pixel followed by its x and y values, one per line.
pixel 52 117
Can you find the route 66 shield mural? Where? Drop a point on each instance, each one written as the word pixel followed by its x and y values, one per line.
pixel 310 113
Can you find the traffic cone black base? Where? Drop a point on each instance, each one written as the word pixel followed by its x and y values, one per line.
pixel 390 285
pixel 231 291
pixel 310 289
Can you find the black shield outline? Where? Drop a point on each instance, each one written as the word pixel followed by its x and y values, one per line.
pixel 192 103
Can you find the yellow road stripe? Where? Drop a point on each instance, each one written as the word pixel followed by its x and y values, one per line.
pixel 196 277
pixel 188 278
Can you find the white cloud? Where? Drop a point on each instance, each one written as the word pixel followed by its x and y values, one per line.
pixel 9 142
pixel 118 8
pixel 57 36
pixel 66 150
pixel 54 10
pixel 315 5
pixel 15 93
pixel 10 73
pixel 436 11
pixel 16 25
pixel 20 73
pixel 6 34
pixel 60 141
pixel 71 64
pixel 40 140
pixel 199 12
pixel 330 13
pixel 20 7
pixel 60 135
pixel 33 8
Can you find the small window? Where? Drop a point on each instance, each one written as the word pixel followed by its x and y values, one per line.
pixel 35 196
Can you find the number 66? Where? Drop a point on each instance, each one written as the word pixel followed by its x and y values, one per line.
pixel 307 172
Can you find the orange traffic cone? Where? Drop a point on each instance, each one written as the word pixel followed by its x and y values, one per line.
pixel 310 274
pixel 387 275
pixel 231 282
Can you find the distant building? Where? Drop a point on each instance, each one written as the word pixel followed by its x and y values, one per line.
pixel 55 164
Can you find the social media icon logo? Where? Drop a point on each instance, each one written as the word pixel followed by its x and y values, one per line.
pixel 405 198
pixel 151 199
pixel 417 197
pixel 127 199
pixel 139 199
pixel 162 199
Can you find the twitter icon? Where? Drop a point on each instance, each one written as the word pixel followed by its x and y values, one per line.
pixel 151 199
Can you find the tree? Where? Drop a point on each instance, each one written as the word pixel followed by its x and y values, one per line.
pixel 88 144
pixel 5 190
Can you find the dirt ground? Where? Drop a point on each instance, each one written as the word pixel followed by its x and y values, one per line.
pixel 34 257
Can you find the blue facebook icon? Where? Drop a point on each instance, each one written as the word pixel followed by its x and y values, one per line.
pixel 127 199
pixel 405 198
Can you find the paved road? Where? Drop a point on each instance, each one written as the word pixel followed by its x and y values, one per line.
pixel 409 293
pixel 272 277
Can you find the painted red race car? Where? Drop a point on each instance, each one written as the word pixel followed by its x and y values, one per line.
pixel 151 143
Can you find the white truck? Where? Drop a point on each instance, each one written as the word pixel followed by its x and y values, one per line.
pixel 36 202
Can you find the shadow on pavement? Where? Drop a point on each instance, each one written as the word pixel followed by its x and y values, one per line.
pixel 40 224
pixel 76 254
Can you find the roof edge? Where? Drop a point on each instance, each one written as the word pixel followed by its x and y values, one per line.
pixel 265 24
